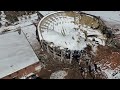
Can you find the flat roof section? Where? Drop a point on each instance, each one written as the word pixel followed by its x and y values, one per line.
pixel 15 53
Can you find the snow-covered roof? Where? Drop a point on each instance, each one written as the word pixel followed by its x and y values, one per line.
pixel 15 53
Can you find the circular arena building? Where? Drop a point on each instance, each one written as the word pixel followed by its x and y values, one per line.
pixel 68 35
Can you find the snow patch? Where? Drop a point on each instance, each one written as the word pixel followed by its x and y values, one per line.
pixel 109 72
pixel 58 75
pixel 112 74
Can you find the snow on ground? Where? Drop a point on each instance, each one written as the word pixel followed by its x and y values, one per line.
pixel 21 23
pixel 58 75
pixel 108 71
pixel 112 74
pixel 16 53
pixel 25 23
pixel 3 20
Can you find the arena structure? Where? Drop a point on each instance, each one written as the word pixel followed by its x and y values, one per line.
pixel 67 34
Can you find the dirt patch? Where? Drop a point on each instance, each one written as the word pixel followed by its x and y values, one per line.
pixel 89 21
pixel 12 15
pixel 53 65
pixel 73 74
pixel 71 14
pixel 107 55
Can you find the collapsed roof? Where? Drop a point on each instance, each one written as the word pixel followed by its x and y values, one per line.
pixel 69 29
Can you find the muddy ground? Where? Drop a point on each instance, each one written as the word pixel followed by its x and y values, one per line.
pixel 73 70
